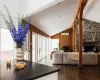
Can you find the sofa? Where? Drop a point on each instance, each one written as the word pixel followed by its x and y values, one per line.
pixel 62 58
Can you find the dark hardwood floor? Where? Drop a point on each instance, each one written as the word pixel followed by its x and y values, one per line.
pixel 74 73
pixel 69 72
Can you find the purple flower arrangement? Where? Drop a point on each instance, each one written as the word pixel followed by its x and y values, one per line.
pixel 19 35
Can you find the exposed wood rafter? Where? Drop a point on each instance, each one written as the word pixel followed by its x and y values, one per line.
pixel 84 2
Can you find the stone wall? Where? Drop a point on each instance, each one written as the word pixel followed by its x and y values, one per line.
pixel 91 32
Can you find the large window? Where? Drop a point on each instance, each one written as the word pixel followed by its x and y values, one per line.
pixel 6 44
pixel 41 46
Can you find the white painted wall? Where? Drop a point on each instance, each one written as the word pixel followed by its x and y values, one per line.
pixel 23 7
pixel 2 24
pixel 92 10
pixel 12 7
pixel 6 40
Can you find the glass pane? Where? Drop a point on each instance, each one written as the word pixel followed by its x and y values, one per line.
pixel 26 48
pixel 34 47
pixel 6 44
pixel 41 47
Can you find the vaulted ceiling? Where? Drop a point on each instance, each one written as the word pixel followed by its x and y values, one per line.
pixel 56 18
pixel 92 10
pixel 51 16
pixel 24 7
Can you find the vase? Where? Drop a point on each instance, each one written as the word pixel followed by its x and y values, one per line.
pixel 19 54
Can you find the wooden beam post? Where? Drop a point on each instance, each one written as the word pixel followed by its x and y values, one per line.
pixel 79 15
pixel 80 35
pixel 74 36
pixel 78 9
pixel 75 39
pixel 30 46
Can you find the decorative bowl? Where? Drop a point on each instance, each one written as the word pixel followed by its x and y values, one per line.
pixel 20 65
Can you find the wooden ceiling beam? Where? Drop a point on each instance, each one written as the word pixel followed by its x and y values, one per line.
pixel 84 2
pixel 77 12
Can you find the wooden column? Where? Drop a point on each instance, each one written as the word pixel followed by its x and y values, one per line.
pixel 79 15
pixel 80 35
pixel 74 36
pixel 75 39
pixel 30 45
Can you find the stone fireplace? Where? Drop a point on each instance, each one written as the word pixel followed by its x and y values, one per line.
pixel 91 33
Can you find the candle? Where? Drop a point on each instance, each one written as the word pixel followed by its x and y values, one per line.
pixel 9 68
pixel 8 63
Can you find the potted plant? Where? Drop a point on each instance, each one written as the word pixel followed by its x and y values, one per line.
pixel 19 35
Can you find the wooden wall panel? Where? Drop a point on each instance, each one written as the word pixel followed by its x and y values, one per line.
pixel 65 40
pixel 71 39
pixel 56 36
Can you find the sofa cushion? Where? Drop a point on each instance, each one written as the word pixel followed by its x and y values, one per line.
pixel 89 58
pixel 57 58
pixel 68 61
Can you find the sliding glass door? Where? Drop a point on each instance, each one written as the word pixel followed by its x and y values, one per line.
pixel 40 47
pixel 34 47
pixel 26 47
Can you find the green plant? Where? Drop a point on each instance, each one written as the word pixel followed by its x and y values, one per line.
pixel 23 22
